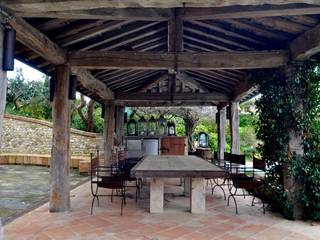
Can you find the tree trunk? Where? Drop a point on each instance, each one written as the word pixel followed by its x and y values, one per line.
pixel 90 116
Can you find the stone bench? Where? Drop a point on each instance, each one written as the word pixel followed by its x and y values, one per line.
pixel 79 162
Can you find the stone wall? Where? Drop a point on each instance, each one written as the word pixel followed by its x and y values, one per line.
pixel 32 136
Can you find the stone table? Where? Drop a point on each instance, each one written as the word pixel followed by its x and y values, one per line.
pixel 159 167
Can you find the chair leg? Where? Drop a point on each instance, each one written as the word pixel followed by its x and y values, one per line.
pixel 112 195
pixel 252 203
pixel 235 202
pixel 92 203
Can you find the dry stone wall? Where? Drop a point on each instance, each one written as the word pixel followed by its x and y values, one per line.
pixel 32 136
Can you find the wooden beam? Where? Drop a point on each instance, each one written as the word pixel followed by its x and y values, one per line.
pixel 184 61
pixel 165 103
pixel 35 40
pixel 221 132
pixel 236 12
pixel 234 128
pixel 60 154
pixel 109 123
pixel 133 14
pixel 67 5
pixel 120 124
pixel 192 97
pixel 92 84
pixel 3 84
pixel 306 45
pixel 186 78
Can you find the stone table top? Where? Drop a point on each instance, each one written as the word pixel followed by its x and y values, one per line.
pixel 176 166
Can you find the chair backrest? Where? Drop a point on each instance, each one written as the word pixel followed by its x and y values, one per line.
pixel 227 156
pixel 94 163
pixel 259 163
pixel 238 159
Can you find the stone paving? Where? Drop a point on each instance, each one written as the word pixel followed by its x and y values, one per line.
pixel 23 187
pixel 219 222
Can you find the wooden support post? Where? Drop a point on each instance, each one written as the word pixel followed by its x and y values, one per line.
pixel 291 184
pixel 60 153
pixel 221 132
pixel 120 125
pixel 3 84
pixel 234 128
pixel 108 132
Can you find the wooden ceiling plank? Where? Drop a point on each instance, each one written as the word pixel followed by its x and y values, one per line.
pixel 92 32
pixel 118 34
pixel 256 30
pixel 128 39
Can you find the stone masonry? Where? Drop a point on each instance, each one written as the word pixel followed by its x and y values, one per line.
pixel 32 136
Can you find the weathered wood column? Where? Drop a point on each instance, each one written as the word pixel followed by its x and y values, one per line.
pixel 292 185
pixel 120 124
pixel 234 128
pixel 60 153
pixel 221 132
pixel 3 84
pixel 108 131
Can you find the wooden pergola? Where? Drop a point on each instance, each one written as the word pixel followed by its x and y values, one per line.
pixel 153 53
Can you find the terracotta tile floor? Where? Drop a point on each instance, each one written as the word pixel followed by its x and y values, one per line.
pixel 219 222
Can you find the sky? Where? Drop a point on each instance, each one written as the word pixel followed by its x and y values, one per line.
pixel 28 72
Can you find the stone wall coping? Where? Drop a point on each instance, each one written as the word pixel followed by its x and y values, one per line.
pixel 49 124
pixel 38 155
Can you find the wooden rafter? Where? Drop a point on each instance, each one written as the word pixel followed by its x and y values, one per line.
pixel 306 45
pixel 35 40
pixel 89 82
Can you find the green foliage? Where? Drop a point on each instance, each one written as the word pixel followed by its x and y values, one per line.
pixel 28 98
pixel 292 105
pixel 31 99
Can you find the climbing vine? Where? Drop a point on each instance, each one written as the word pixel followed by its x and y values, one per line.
pixel 291 105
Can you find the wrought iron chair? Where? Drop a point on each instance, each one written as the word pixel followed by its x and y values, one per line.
pixel 126 167
pixel 107 178
pixel 251 183
pixel 225 164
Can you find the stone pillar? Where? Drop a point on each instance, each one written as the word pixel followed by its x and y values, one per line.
pixel 108 133
pixel 187 186
pixel 221 132
pixel 120 125
pixel 156 195
pixel 198 195
pixel 3 84
pixel 60 153
pixel 234 128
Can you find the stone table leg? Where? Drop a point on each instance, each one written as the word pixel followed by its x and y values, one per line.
pixel 187 186
pixel 198 195
pixel 156 195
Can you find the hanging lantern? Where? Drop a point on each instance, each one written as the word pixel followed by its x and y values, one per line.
pixel 162 124
pixel 142 127
pixel 152 126
pixel 132 126
pixel 203 140
pixel 171 129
